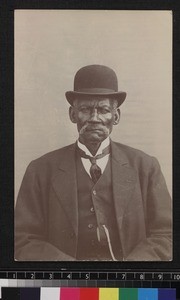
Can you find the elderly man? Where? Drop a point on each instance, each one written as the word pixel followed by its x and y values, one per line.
pixel 95 199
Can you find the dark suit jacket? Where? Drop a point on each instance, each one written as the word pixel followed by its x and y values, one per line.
pixel 46 216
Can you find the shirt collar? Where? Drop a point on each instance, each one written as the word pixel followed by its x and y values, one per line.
pixel 103 145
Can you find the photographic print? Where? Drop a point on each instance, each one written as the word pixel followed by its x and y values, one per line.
pixel 93 135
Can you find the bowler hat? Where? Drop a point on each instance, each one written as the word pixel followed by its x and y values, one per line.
pixel 96 80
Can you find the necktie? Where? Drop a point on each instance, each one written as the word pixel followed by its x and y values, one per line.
pixel 95 170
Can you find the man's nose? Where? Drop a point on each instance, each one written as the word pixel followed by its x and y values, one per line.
pixel 94 117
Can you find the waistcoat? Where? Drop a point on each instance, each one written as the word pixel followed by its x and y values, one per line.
pixel 95 213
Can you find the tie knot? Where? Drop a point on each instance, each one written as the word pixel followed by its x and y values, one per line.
pixel 92 160
pixel 95 170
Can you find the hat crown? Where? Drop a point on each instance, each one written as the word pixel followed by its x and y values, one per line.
pixel 95 80
pixel 96 77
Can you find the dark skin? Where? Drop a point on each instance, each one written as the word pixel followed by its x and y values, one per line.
pixel 95 117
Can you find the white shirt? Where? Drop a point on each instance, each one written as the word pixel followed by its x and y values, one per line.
pixel 101 162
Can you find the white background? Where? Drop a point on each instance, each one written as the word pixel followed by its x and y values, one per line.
pixel 51 45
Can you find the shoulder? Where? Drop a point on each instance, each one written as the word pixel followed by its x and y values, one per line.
pixel 53 158
pixel 135 157
pixel 130 151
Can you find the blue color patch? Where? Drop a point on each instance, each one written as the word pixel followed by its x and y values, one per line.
pixel 148 294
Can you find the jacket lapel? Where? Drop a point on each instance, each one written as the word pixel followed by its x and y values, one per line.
pixel 65 186
pixel 123 180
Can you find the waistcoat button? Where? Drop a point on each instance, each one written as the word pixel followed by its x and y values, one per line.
pixel 90 226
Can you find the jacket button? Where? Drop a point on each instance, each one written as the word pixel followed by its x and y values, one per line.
pixel 92 209
pixel 90 226
pixel 94 192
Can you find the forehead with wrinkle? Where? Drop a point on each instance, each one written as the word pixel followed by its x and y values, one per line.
pixel 95 101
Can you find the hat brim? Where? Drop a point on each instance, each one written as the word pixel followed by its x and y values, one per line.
pixel 119 96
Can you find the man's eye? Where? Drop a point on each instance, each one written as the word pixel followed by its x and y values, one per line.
pixel 84 110
pixel 103 110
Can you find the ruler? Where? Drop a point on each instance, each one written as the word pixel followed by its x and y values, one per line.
pixel 113 275
pixel 91 279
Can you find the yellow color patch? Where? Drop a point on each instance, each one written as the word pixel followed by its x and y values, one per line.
pixel 108 294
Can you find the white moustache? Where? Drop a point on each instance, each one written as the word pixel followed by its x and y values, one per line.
pixel 83 129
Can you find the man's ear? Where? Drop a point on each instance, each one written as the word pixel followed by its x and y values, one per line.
pixel 117 116
pixel 72 114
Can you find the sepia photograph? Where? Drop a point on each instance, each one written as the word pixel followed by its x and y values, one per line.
pixel 93 135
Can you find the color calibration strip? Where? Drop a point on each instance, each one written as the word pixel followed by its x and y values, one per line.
pixel 87 294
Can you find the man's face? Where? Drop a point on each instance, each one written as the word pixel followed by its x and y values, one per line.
pixel 95 118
